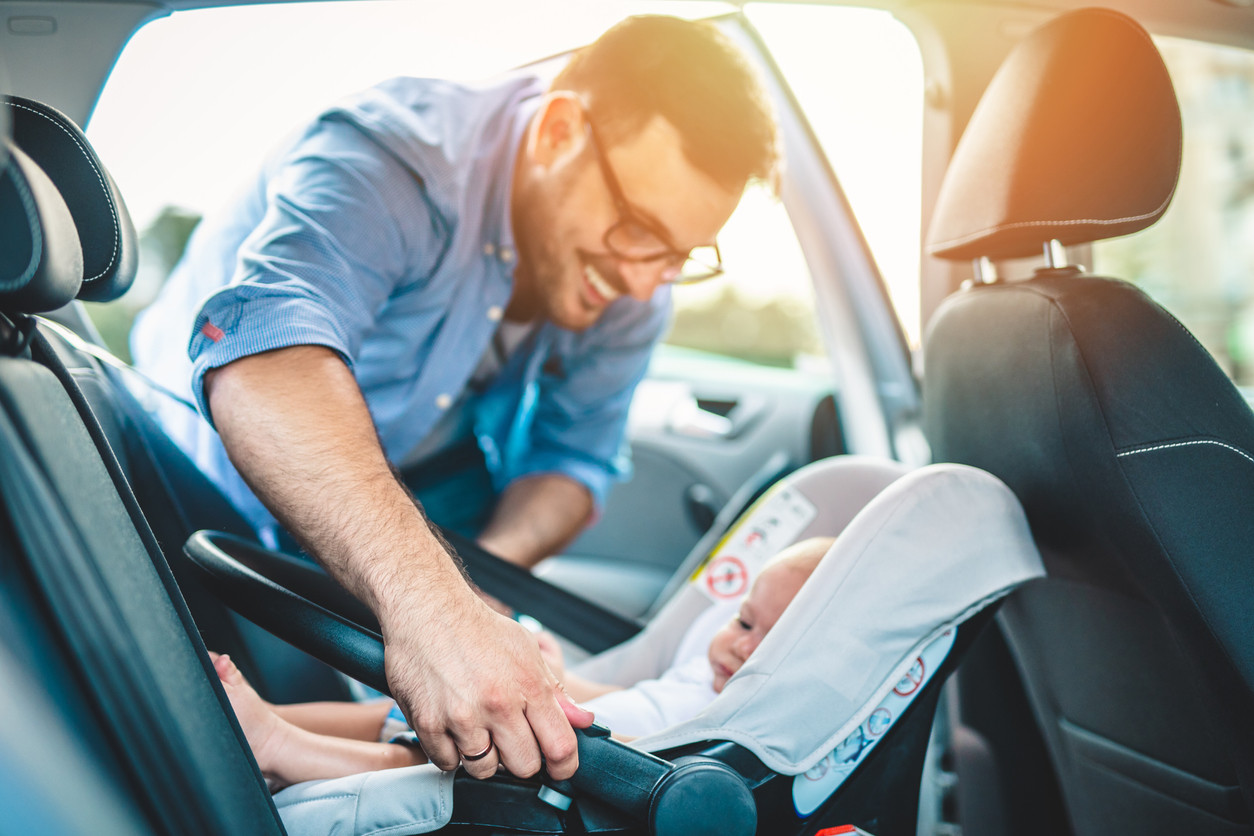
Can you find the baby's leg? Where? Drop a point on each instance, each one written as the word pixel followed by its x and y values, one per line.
pixel 354 720
pixel 288 754
pixel 262 727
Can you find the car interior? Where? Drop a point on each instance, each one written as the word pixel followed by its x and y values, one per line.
pixel 103 547
pixel 1111 696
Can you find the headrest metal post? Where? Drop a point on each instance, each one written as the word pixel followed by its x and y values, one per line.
pixel 985 270
pixel 1055 255
pixel 15 334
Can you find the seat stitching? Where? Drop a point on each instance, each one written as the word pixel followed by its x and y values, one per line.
pixel 117 234
pixel 1076 222
pixel 28 203
pixel 1174 444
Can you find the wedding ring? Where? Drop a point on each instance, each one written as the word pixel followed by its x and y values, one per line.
pixel 478 755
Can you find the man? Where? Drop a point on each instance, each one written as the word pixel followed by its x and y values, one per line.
pixel 431 264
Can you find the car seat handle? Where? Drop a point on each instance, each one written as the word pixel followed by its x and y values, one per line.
pixel 300 603
pixel 692 795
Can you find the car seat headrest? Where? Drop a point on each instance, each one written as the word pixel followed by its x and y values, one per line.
pixel 105 232
pixel 41 263
pixel 1076 139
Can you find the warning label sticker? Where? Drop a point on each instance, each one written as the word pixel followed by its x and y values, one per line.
pixel 727 578
pixel 773 524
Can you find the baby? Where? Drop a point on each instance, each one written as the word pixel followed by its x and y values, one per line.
pixel 312 741
pixel 702 665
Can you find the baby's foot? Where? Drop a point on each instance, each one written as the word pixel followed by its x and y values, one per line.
pixel 266 731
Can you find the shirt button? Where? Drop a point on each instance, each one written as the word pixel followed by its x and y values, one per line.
pixel 443 401
pixel 507 255
pixel 489 249
pixel 495 313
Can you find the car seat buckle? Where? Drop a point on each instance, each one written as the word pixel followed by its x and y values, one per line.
pixel 554 798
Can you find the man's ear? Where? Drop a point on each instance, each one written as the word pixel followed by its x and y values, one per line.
pixel 557 133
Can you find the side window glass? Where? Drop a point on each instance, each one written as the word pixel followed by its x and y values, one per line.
pixel 182 120
pixel 762 308
pixel 858 76
pixel 1198 260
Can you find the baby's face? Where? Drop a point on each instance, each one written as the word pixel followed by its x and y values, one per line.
pixel 761 608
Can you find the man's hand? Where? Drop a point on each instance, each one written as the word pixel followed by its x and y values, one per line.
pixel 298 430
pixel 483 684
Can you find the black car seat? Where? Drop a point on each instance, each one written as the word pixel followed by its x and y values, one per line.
pixel 176 499
pixel 100 653
pixel 1131 451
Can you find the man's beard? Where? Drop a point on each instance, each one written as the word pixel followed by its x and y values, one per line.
pixel 548 270
pixel 539 265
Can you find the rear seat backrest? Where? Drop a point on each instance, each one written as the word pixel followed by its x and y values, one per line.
pixel 104 630
pixel 172 493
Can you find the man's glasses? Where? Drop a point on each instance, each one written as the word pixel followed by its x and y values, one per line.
pixel 636 239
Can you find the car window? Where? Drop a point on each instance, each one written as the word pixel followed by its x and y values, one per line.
pixel 858 77
pixel 198 97
pixel 762 309
pixel 1198 260
pixel 182 116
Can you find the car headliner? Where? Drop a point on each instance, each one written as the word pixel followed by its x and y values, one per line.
pixel 61 51
pixel 1229 21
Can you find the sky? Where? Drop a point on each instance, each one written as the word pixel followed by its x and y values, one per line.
pixel 226 84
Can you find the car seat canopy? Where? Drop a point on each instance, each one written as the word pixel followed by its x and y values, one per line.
pixel 934 548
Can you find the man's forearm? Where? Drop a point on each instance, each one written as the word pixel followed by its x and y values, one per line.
pixel 298 430
pixel 535 517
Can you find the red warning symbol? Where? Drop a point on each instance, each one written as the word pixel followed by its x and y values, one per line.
pixel 727 577
pixel 879 721
pixel 912 680
pixel 816 772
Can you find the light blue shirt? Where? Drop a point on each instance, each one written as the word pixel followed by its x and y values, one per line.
pixel 382 231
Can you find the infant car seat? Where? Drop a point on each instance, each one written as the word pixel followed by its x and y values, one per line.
pixel 825 725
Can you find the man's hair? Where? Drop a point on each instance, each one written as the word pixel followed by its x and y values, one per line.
pixel 691 74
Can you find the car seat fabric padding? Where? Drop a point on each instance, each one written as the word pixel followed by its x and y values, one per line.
pixel 414 799
pixel 1131 451
pixel 176 499
pixel 839 487
pixel 932 549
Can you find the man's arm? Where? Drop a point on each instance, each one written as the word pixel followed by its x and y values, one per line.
pixel 299 432
pixel 535 517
